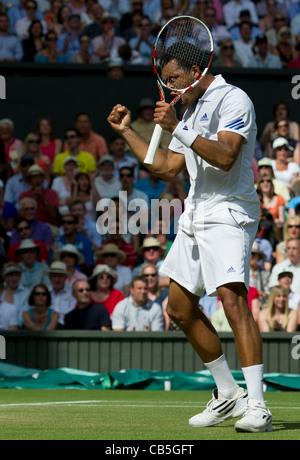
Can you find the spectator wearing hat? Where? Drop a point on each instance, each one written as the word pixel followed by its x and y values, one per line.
pixel 33 272
pixel 103 292
pixel 285 48
pixel 71 257
pixel 85 160
pixel 40 317
pixel 284 170
pixel 265 168
pixel 116 238
pixel 152 252
pixel 39 230
pixel 108 42
pixel 24 230
pixel 259 277
pixel 115 68
pixel 106 183
pixel 263 58
pixel 86 315
pixel 291 263
pixel 72 236
pixel 62 300
pixel 145 124
pixel 112 256
pixel 63 184
pixel 137 312
pixel 14 293
pixel 47 199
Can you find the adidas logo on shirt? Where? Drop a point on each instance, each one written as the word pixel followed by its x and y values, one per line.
pixel 231 270
pixel 204 117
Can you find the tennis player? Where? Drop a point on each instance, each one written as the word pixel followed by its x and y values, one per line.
pixel 215 140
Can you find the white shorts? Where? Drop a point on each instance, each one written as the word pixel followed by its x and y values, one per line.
pixel 217 253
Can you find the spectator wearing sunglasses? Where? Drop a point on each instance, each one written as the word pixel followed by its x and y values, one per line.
pixel 32 147
pixel 86 315
pixel 85 161
pixel 33 272
pixel 40 317
pixel 24 230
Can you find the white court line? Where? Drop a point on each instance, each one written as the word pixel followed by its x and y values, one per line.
pixel 109 403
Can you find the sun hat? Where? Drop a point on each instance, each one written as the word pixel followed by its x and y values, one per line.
pixel 28 243
pixel 280 142
pixel 70 248
pixel 255 250
pixel 58 267
pixel 264 162
pixel 99 269
pixel 70 158
pixel 35 170
pixel 150 242
pixel 11 267
pixel 111 249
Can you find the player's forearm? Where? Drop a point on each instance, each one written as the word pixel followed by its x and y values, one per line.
pixel 139 148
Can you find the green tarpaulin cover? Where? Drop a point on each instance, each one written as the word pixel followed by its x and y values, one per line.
pixel 66 378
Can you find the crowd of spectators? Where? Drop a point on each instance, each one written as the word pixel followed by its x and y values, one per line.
pixel 85 227
pixel 246 33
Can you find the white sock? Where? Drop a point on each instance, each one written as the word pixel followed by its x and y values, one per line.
pixel 254 380
pixel 223 378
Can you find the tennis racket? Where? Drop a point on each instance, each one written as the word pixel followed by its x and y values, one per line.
pixel 182 43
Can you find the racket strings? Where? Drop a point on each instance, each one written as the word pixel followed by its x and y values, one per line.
pixel 182 44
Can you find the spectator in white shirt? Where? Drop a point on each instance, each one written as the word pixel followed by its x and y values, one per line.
pixel 244 47
pixel 61 294
pixel 22 25
pixel 232 9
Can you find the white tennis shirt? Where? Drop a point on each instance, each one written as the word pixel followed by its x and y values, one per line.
pixel 223 107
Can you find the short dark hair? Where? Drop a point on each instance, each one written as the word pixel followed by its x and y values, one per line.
pixel 186 54
pixel 75 130
pixel 129 169
pixel 31 297
pixel 138 278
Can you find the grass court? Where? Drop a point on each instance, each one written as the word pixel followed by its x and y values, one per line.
pixel 129 415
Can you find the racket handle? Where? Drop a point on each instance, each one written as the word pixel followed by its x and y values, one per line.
pixel 154 144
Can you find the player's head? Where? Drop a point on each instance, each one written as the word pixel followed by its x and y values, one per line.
pixel 186 56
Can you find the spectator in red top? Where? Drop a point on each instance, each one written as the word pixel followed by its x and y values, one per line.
pixel 102 285
pixel 13 146
pixel 24 230
pixel 47 199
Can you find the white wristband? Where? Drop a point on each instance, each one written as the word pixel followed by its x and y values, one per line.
pixel 184 134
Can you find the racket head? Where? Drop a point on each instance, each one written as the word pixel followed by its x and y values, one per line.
pixel 183 42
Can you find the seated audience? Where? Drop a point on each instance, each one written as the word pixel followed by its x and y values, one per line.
pixel 86 315
pixel 40 317
pixel 277 316
pixel 102 287
pixel 33 272
pixel 71 257
pixel 61 294
pixel 14 293
pixel 137 312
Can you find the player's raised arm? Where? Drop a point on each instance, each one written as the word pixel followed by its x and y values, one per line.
pixel 167 163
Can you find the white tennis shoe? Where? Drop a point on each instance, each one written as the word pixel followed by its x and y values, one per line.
pixel 257 419
pixel 219 409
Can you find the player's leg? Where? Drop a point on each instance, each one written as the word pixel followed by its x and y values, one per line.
pixel 249 348
pixel 229 400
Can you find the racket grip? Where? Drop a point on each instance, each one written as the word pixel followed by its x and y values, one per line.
pixel 154 144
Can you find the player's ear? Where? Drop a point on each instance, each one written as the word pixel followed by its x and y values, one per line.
pixel 195 71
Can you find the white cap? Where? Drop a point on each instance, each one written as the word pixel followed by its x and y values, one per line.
pixel 279 142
